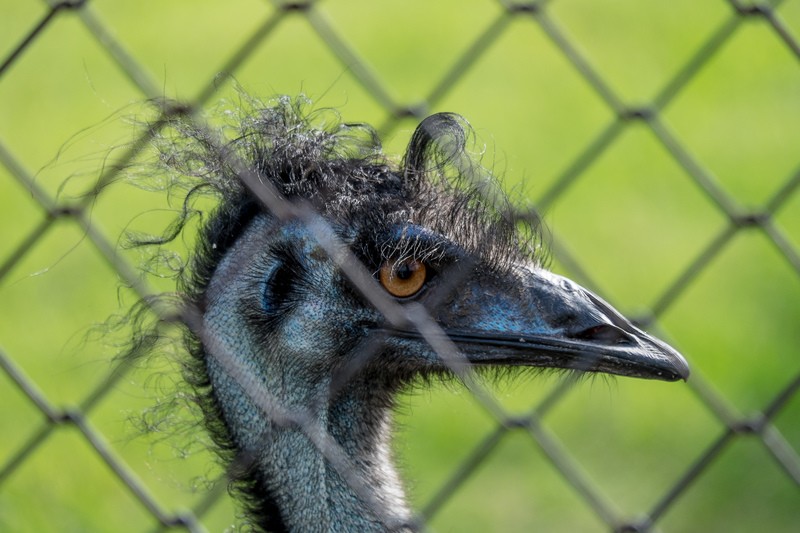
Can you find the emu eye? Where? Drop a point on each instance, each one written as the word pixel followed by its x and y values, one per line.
pixel 403 278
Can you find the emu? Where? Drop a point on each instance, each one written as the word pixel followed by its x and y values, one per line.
pixel 297 361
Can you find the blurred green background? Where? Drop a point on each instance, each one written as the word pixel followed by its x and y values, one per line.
pixel 630 224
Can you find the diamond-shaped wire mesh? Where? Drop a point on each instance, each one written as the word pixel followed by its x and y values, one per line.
pixel 658 141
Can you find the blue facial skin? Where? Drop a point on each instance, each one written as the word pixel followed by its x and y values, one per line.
pixel 281 281
pixel 282 325
pixel 527 316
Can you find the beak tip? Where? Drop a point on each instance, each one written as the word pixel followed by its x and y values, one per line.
pixel 684 372
pixel 677 369
pixel 667 363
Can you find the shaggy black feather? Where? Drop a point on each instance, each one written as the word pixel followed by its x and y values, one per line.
pixel 340 170
pixel 283 348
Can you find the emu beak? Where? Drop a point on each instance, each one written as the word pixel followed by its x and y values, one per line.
pixel 536 318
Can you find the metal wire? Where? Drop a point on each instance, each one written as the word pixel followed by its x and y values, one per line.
pixel 760 426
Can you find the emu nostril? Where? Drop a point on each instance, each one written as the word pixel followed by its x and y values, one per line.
pixel 604 334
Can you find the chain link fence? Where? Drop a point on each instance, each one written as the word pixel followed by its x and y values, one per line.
pixel 659 142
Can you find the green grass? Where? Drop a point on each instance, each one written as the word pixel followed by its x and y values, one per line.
pixel 633 219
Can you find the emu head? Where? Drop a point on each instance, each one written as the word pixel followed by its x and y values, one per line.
pixel 282 318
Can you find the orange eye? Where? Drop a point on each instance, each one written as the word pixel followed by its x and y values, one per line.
pixel 403 278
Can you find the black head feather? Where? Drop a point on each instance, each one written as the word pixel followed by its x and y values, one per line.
pixel 341 171
pixel 435 205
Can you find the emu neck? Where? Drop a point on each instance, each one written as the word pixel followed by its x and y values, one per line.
pixel 271 386
pixel 293 478
pixel 314 496
pixel 360 424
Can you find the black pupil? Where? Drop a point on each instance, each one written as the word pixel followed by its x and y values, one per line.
pixel 404 271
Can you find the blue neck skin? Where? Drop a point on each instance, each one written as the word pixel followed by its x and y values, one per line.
pixel 249 375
